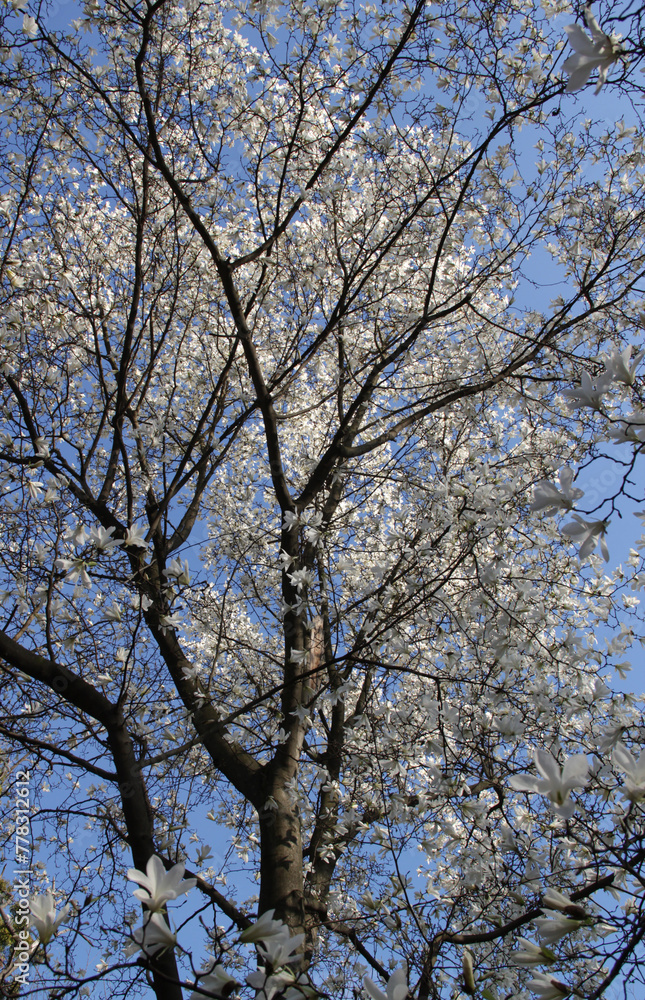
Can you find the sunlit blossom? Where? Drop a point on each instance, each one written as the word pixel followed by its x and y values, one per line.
pixel 77 535
pixel 135 537
pixel 102 539
pixel 468 972
pixel 179 570
pixel 113 613
pixel 628 430
pixel 555 900
pixel 167 622
pixel 29 26
pixel 75 571
pixel 281 949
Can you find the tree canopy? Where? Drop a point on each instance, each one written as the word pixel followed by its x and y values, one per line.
pixel 312 312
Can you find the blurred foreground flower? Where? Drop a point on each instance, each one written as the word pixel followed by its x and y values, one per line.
pixel 551 929
pixel 598 52
pixel 588 534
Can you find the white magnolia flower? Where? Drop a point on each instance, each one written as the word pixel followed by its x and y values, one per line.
pixel 152 936
pixel 44 919
pixel 285 561
pixel 30 29
pixel 204 853
pixel 551 929
pixel 263 929
pixel 136 537
pixel 40 552
pixel 554 900
pixel 102 538
pixel 74 570
pixel 588 534
pixel 216 982
pixel 78 535
pixel 598 52
pixel 178 569
pixel 634 771
pixel 629 430
pixel 113 613
pixel 620 366
pixel 588 393
pixel 468 972
pixel 267 985
pixel 396 988
pixel 280 949
pixel 41 447
pixel 34 489
pixel 169 621
pixel 291 520
pixel 547 988
pixel 556 782
pixel 158 884
pixel 549 498
pixel 531 954
pixel 301 578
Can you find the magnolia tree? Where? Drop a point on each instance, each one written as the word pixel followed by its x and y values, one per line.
pixel 303 349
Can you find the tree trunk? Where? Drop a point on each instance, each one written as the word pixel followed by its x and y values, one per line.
pixel 281 885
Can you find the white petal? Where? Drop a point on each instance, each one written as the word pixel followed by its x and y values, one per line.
pixel 372 989
pixel 593 26
pixel 524 783
pixel 578 77
pixel 579 41
pixel 623 759
pixel 548 766
pixel 575 771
